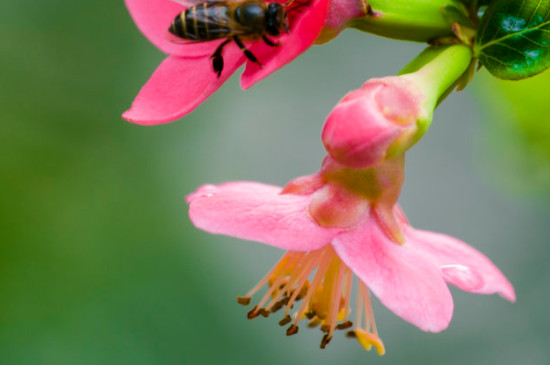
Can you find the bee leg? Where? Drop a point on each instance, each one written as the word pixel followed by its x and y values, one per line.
pixel 246 52
pixel 217 58
pixel 269 42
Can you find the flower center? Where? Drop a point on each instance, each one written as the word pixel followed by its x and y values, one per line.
pixel 323 284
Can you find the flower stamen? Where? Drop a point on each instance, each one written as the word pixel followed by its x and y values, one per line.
pixel 325 300
pixel 367 336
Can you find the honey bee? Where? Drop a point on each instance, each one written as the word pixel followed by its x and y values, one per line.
pixel 236 21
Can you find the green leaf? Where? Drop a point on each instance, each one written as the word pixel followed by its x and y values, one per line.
pixel 513 40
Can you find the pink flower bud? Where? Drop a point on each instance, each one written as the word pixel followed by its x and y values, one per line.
pixel 377 121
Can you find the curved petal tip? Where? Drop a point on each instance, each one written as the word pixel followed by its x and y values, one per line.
pixel 257 212
pixel 404 281
pixel 178 86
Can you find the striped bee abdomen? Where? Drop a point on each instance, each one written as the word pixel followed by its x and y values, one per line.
pixel 236 21
pixel 202 22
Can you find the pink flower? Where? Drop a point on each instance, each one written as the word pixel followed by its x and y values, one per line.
pixel 186 78
pixel 344 222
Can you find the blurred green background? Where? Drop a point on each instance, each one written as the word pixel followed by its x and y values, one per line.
pixel 99 263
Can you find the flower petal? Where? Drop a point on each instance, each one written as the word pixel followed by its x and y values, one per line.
pixel 461 264
pixel 258 212
pixel 405 282
pixel 304 31
pixel 178 86
pixel 153 18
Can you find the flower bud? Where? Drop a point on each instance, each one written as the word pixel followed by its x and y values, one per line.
pixel 375 122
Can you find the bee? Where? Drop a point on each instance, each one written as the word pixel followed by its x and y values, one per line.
pixel 236 21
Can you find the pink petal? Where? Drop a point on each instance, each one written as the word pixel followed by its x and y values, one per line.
pixel 153 18
pixel 461 265
pixel 258 212
pixel 303 33
pixel 178 86
pixel 405 282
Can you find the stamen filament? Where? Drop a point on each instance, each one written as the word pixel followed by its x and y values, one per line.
pixel 270 274
pixel 347 295
pixel 367 306
pixel 325 300
pixel 335 300
pixel 272 288
pixel 302 276
pixel 358 307
pixel 316 280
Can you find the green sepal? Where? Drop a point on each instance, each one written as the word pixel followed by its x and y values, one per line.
pixel 513 40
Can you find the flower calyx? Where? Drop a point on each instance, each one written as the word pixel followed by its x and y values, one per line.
pixel 343 197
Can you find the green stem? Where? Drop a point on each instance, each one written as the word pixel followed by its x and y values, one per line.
pixel 437 69
pixel 412 20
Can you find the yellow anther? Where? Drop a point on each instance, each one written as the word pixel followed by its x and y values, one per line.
pixel 303 291
pixel 253 313
pixel 286 320
pixel 292 330
pixel 243 300
pixel 341 314
pixel 322 282
pixel 277 306
pixel 326 339
pixel 367 340
pixel 345 325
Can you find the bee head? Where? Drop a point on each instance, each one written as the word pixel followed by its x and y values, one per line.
pixel 276 19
